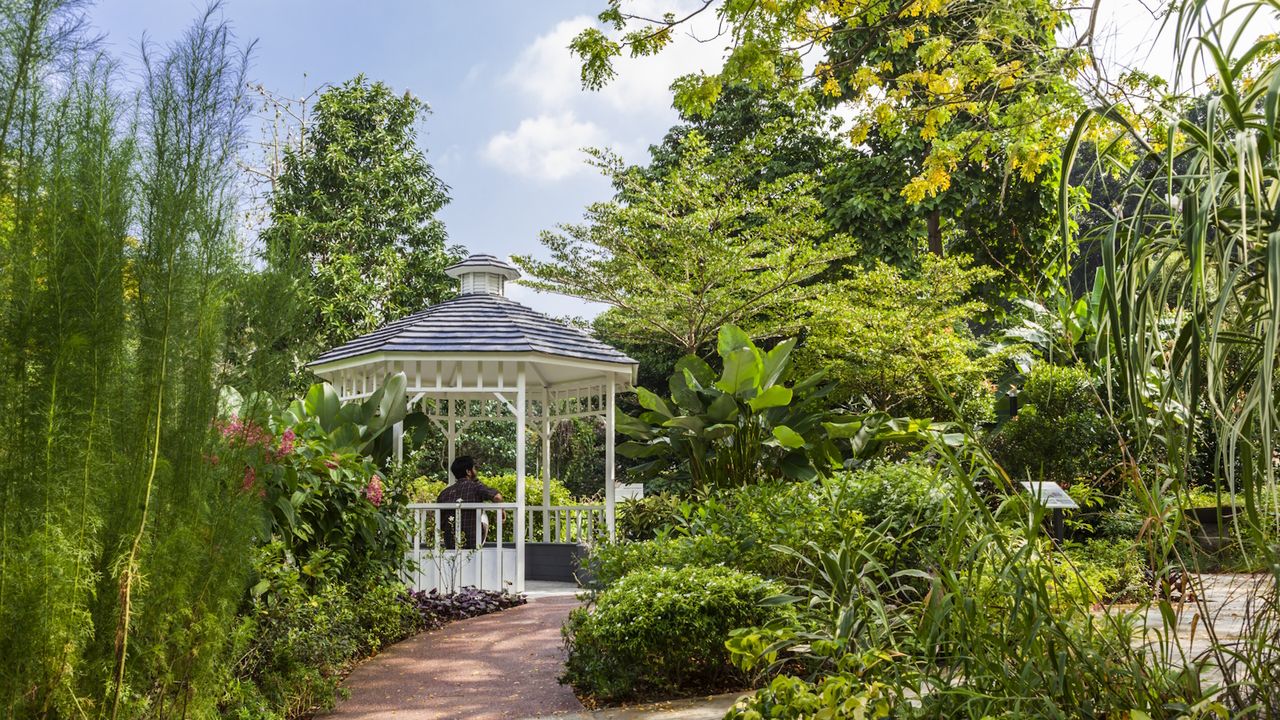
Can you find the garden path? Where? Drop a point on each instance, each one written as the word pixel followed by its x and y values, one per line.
pixel 493 667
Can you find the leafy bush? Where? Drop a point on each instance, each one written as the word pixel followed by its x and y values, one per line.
pixel 876 334
pixel 841 695
pixel 905 502
pixel 609 563
pixel 647 517
pixel 426 490
pixel 294 644
pixel 663 632
pixel 1116 567
pixel 1060 433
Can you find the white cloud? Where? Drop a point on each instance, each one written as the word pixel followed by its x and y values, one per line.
pixel 564 117
pixel 550 76
pixel 545 147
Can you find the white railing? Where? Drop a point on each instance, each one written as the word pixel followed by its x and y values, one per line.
pixel 498 564
pixel 566 524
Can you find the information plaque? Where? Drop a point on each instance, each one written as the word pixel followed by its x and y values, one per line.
pixel 1051 495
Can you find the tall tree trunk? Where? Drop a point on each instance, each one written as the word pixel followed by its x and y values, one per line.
pixel 935 232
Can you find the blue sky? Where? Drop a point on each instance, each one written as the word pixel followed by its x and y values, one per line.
pixel 509 118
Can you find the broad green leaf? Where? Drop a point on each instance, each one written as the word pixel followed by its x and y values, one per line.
pixel 776 361
pixel 698 369
pixel 687 422
pixel 722 408
pixel 742 371
pixel 789 438
pixel 719 430
pixel 652 401
pixel 683 393
pixel 774 396
pixel 732 338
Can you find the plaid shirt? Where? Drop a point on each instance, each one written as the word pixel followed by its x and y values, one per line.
pixel 465 491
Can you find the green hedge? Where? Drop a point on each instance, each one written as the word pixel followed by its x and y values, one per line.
pixel 663 632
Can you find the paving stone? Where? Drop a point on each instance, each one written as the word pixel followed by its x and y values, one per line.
pixel 502 666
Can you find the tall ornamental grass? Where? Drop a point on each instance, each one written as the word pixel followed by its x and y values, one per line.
pixel 122 550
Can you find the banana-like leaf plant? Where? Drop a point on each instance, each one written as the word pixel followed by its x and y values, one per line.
pixel 736 428
pixel 351 424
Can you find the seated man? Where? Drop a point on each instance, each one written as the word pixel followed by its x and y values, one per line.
pixel 467 489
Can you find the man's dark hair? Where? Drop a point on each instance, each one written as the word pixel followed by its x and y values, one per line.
pixel 461 466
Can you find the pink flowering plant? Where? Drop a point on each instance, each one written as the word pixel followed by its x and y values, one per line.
pixel 323 497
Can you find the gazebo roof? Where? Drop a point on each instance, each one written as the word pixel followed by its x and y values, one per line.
pixel 479 321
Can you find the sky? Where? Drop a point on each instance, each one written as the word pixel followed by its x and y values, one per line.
pixel 509 118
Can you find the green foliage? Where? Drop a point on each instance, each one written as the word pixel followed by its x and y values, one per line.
pixel 1060 434
pixel 647 517
pixel 325 500
pixel 353 218
pixel 663 632
pixel 881 334
pixel 123 556
pixel 294 645
pixel 610 562
pixel 1117 568
pixel 958 108
pixel 1191 266
pixel 426 490
pixel 705 244
pixel 743 426
pixel 904 502
pixel 833 696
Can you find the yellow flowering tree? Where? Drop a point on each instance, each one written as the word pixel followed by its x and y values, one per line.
pixel 959 109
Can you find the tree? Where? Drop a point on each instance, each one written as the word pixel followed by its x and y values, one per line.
pixel 704 245
pixel 960 109
pixel 354 216
pixel 880 334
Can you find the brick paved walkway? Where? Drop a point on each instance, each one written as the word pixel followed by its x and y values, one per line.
pixel 499 666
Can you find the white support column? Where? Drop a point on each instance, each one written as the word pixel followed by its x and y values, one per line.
pixel 610 409
pixel 521 410
pixel 397 442
pixel 546 468
pixel 451 441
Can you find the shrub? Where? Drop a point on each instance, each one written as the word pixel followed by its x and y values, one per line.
pixel 663 632
pixel 646 517
pixel 904 501
pixel 755 518
pixel 610 563
pixel 426 490
pixel 294 645
pixel 1060 434
pixel 1117 568
pixel 834 696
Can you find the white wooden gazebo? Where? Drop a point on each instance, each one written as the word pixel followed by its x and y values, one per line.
pixel 483 355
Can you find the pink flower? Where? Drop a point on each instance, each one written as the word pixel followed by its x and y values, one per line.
pixel 250 478
pixel 331 464
pixel 286 442
pixel 373 491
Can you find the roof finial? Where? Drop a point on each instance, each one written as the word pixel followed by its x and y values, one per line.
pixel 481 273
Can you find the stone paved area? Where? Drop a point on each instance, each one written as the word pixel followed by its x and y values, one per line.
pixel 1223 601
pixel 495 667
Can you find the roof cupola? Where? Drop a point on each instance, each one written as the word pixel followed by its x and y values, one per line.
pixel 482 274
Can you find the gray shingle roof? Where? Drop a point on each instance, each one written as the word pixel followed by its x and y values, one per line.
pixel 479 323
pixel 483 262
